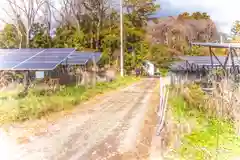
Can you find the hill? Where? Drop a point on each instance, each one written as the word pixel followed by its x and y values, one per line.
pixel 177 32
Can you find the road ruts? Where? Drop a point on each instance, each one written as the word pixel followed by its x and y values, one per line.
pixel 113 130
pixel 105 131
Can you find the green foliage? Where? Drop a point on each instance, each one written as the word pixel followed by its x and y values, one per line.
pixel 40 39
pixel 194 15
pixel 9 37
pixel 202 142
pixel 135 22
pixel 41 103
pixel 160 55
pixel 163 72
pixel 235 29
pixel 193 51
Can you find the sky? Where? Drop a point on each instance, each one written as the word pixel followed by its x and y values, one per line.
pixel 222 12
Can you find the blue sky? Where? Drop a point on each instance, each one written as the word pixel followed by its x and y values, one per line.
pixel 223 12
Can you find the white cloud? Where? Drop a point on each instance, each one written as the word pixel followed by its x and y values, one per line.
pixel 223 12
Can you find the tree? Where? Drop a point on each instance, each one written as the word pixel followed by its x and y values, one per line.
pixel 205 15
pixel 9 37
pixel 135 23
pixel 184 15
pixel 40 38
pixel 24 14
pixel 194 15
pixel 236 28
pixel 197 15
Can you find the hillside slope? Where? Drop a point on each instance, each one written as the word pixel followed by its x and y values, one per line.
pixel 175 30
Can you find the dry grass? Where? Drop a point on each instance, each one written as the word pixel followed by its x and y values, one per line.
pixel 196 126
pixel 41 104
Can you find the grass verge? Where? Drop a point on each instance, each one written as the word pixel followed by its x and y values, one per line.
pixel 200 135
pixel 38 104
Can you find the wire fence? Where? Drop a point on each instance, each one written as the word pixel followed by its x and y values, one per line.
pixel 164 90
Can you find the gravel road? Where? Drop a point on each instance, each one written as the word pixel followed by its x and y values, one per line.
pixel 105 130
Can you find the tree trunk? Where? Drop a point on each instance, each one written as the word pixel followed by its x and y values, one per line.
pixel 98 34
pixel 91 33
pixel 28 38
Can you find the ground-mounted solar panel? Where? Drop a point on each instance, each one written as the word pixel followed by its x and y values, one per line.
pixel 13 58
pixel 61 49
pixel 36 66
pixel 81 58
pixel 86 54
pixel 27 52
pixel 7 66
pixel 33 59
pixel 46 59
pixel 7 51
pixel 76 62
pixel 206 60
pixel 51 52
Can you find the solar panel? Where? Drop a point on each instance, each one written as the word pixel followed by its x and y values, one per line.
pixel 206 61
pixel 26 52
pixel 7 51
pixel 36 66
pixel 76 62
pixel 34 59
pixel 7 66
pixel 44 61
pixel 12 58
pixel 86 54
pixel 57 52
pixel 81 58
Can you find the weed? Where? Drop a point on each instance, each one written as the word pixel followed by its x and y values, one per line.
pixel 40 103
pixel 210 137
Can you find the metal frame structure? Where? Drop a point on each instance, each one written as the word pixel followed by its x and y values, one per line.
pixel 229 63
pixel 231 56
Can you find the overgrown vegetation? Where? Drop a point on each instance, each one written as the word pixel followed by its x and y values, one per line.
pixel 200 133
pixel 41 103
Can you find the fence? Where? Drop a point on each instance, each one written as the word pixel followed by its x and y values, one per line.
pixel 164 90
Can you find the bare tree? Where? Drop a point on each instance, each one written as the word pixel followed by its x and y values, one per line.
pixel 23 14
pixel 68 10
pixel 97 9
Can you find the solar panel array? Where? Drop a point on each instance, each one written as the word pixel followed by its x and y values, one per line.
pixel 81 58
pixel 217 45
pixel 204 61
pixel 33 59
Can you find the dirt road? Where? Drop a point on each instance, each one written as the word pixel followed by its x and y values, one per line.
pixel 105 130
